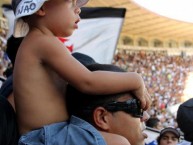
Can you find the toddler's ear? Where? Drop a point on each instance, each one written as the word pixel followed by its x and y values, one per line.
pixel 41 12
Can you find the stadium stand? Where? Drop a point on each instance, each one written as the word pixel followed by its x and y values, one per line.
pixel 165 77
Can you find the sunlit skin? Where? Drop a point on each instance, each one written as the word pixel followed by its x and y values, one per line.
pixel 168 139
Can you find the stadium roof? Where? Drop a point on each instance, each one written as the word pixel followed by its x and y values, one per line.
pixel 144 23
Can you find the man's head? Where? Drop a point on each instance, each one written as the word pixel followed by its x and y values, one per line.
pixel 116 113
pixel 83 58
pixel 24 8
pixel 168 136
pixel 154 123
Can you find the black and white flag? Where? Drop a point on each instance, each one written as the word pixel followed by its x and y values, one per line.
pixel 98 32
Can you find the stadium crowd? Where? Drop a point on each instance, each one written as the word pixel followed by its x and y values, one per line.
pixel 165 77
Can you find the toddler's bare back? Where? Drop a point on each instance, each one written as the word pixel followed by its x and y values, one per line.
pixel 39 91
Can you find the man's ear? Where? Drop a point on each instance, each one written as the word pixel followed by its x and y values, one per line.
pixel 41 11
pixel 101 118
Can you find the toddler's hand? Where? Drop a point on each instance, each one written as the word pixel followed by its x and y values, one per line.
pixel 143 95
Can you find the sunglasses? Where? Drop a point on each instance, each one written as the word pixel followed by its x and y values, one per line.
pixel 131 106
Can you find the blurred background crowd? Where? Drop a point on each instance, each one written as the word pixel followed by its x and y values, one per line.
pixel 4 60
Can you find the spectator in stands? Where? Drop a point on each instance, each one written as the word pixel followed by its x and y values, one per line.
pixel 117 113
pixel 154 123
pixel 185 119
pixel 168 136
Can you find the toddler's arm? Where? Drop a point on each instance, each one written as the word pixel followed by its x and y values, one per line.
pixel 53 53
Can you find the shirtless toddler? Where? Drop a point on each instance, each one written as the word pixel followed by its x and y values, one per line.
pixel 44 66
